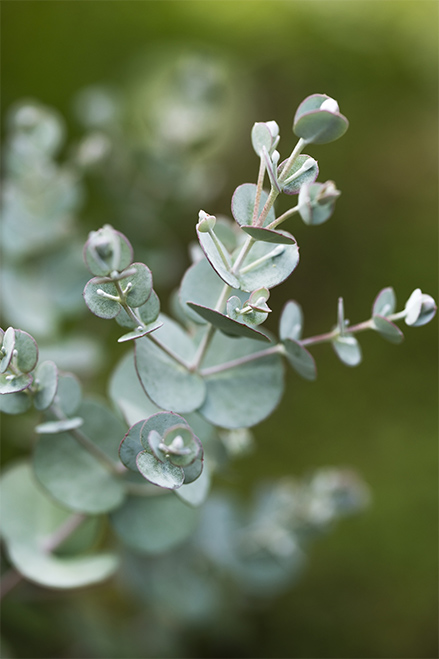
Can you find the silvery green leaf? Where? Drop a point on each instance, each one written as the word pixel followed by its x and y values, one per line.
pixel 138 333
pixel 107 250
pixel 227 325
pixel 304 170
pixel 74 477
pixel 131 446
pixel 162 474
pixel 46 384
pixel 148 313
pixel 261 137
pixel 160 422
pixel 245 394
pixel 15 403
pixel 420 309
pixel 27 351
pixel 267 266
pixel 348 350
pixel 318 120
pixel 201 285
pixel 29 521
pixel 291 321
pixel 193 471
pixel 300 359
pixel 141 285
pixel 99 304
pixel 102 427
pixel 11 384
pixel 387 329
pixel 8 345
pixel 243 202
pixel 218 257
pixel 153 525
pixel 54 427
pixel 316 202
pixel 278 236
pixel 385 302
pixel 170 385
pixel 183 446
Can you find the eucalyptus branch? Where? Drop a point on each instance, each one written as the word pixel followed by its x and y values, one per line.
pixel 290 162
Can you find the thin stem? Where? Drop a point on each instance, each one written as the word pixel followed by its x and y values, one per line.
pixel 240 361
pixel 268 205
pixel 254 264
pixel 353 329
pixel 259 185
pixel 63 532
pixel 205 341
pixel 242 254
pixel 290 162
pixel 283 217
pixel 88 444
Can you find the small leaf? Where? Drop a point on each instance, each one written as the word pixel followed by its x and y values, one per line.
pixel 7 349
pixel 291 321
pixel 243 202
pixel 53 427
pixel 141 285
pixel 27 351
pixel 308 168
pixel 153 525
pixel 46 384
pixel 107 250
pixel 279 237
pixel 387 329
pixel 316 202
pixel 261 137
pixel 162 474
pixel 218 258
pixel 385 303
pixel 227 325
pixel 16 403
pixel 69 393
pixel 131 446
pixel 183 446
pixel 300 359
pixel 318 120
pixel 138 333
pixel 11 384
pixel 348 350
pixel 101 306
pixel 193 471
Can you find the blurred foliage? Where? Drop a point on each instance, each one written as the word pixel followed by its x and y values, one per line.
pixel 371 590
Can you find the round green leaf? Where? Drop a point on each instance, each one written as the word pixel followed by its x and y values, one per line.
pixel 221 264
pixel 300 359
pixel 11 384
pixel 148 313
pixel 291 321
pixel 102 307
pixel 7 348
pixel 46 384
pixel 348 350
pixel 161 423
pixel 29 520
pixel 189 450
pixel 131 446
pixel 243 394
pixel 153 525
pixel 193 471
pixel 267 266
pixel 227 325
pixel 243 202
pixel 162 474
pixel 387 329
pixel 316 125
pixel 27 351
pixel 107 250
pixel 270 235
pixel 385 302
pixel 170 385
pixel 261 137
pixel 102 427
pixel 74 477
pixel 141 285
pixel 15 403
pixel 309 175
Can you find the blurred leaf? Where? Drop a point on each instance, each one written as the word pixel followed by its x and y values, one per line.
pixel 291 321
pixel 348 350
pixel 46 384
pixel 227 325
pixel 300 359
pixel 387 329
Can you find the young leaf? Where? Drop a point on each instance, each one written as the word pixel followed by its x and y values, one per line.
pixel 300 359
pixel 385 302
pixel 387 329
pixel 46 384
pixel 243 202
pixel 291 321
pixel 348 350
pixel 227 325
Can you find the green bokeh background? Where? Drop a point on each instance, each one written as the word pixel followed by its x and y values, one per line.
pixel 370 589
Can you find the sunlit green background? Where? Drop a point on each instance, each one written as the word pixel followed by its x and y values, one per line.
pixel 370 589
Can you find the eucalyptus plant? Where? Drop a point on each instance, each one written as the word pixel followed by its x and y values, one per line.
pixel 188 390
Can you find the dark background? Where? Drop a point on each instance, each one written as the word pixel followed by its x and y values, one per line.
pixel 370 589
